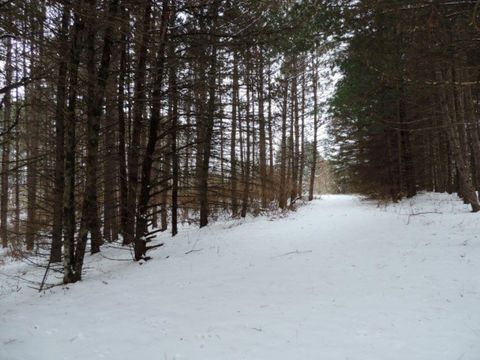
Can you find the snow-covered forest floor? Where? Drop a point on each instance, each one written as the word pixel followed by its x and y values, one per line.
pixel 340 278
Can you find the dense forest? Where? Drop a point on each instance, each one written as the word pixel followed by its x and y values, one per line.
pixel 404 117
pixel 121 119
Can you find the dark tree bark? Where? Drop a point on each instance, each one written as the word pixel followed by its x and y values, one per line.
pixel 76 47
pixel 122 154
pixel 17 166
pixel 174 129
pixel 207 121
pixel 109 161
pixel 60 110
pixel 146 183
pixel 139 103
pixel 233 140
pixel 315 129
pixel 33 128
pixel 247 164
pixel 283 149
pixel 466 187
pixel 293 143
pixel 97 82
pixel 261 120
pixel 271 181
pixel 301 155
pixel 6 139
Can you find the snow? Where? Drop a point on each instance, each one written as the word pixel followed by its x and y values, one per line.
pixel 341 278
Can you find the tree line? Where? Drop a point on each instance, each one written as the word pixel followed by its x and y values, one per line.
pixel 122 118
pixel 405 115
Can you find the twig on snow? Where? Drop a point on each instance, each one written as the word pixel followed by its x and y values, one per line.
pixel 296 252
pixel 193 250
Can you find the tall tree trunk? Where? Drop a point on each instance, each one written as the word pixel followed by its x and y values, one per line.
pixel 271 182
pixel 207 123
pixel 247 165
pixel 140 241
pixel 122 154
pixel 301 167
pixel 17 168
pixel 60 110
pixel 283 148
pixel 97 82
pixel 33 128
pixel 294 135
pixel 174 128
pixel 261 120
pixel 233 139
pixel 315 128
pixel 139 102
pixel 109 162
pixel 7 102
pixel 76 46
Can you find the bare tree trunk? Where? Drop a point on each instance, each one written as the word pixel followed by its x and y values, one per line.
pixel 109 162
pixel 272 182
pixel 7 102
pixel 17 170
pixel 140 241
pixel 302 137
pixel 261 119
pixel 165 184
pixel 122 154
pixel 60 110
pixel 174 129
pixel 207 143
pixel 138 108
pixel 315 128
pixel 76 47
pixel 33 131
pixel 97 82
pixel 294 135
pixel 247 165
pixel 233 139
pixel 207 122
pixel 283 149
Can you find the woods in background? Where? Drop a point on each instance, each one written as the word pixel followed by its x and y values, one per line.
pixel 405 116
pixel 121 118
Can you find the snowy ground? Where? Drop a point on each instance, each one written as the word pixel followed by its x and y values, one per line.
pixel 338 279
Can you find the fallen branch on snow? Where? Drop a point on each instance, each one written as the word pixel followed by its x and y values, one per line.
pixel 296 252
pixel 193 250
pixel 422 213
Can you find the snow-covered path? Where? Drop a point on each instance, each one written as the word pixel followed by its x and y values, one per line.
pixel 338 279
